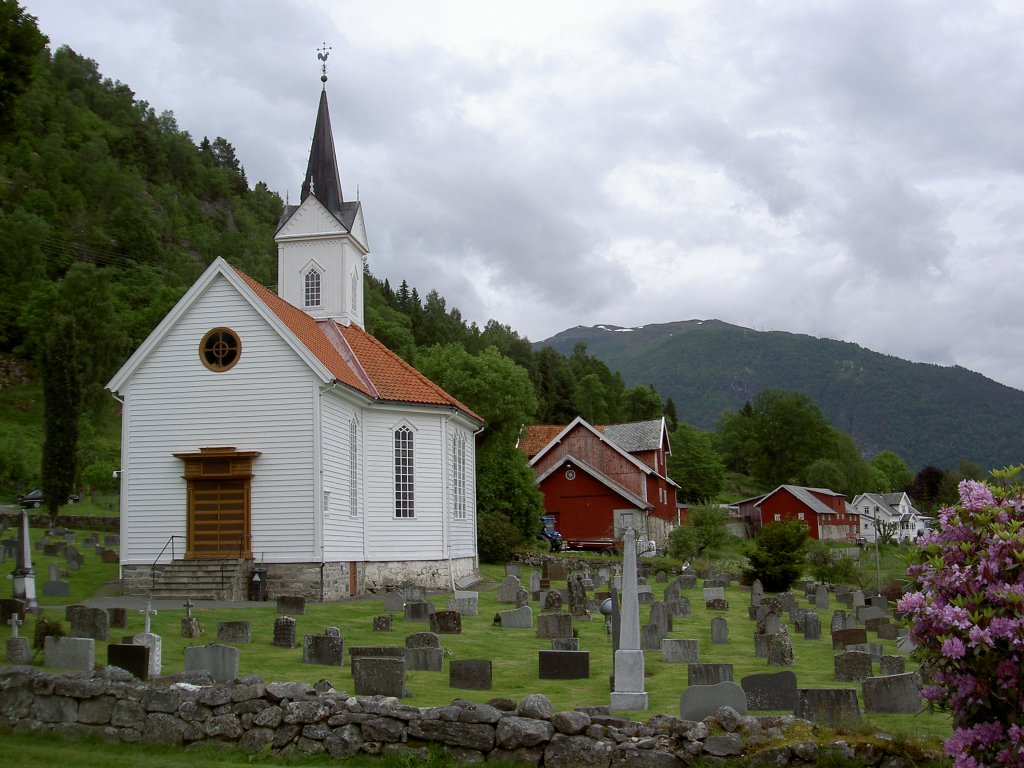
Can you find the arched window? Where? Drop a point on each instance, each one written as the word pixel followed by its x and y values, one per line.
pixel 355 293
pixel 353 468
pixel 404 475
pixel 312 288
pixel 459 476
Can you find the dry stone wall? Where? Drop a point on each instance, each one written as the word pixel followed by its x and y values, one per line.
pixel 300 719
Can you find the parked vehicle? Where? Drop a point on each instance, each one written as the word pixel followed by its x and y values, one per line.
pixel 34 499
pixel 549 534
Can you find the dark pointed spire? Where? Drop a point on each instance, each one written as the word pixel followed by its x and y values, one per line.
pixel 322 177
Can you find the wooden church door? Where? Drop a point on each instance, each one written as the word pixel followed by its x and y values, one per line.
pixel 219 492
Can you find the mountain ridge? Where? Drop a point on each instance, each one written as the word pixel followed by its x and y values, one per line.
pixel 928 413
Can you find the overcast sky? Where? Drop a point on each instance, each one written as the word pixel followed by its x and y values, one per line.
pixel 850 170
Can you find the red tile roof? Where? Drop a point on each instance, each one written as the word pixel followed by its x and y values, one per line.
pixel 390 378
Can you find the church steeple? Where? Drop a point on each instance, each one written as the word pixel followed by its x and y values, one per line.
pixel 322 177
pixel 321 242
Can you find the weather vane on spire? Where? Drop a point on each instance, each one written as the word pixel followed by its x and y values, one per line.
pixel 322 54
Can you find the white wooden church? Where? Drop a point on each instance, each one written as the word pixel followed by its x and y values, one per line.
pixel 272 432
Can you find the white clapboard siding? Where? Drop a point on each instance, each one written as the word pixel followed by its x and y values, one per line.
pixel 343 530
pixel 264 403
pixel 462 534
pixel 419 537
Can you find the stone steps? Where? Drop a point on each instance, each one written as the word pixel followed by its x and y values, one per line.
pixel 202 579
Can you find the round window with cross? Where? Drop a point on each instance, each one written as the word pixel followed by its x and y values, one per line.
pixel 220 349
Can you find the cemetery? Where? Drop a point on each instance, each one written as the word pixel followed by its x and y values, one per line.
pixel 528 633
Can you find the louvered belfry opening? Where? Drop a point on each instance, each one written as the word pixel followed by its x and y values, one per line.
pixel 219 490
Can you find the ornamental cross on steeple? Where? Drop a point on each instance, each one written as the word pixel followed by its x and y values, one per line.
pixel 322 53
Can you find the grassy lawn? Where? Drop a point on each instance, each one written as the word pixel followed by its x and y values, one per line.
pixel 513 652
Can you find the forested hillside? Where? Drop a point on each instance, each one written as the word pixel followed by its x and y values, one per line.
pixel 928 414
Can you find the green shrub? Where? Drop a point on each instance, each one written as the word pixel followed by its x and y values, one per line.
pixel 496 537
pixel 46 628
pixel 777 555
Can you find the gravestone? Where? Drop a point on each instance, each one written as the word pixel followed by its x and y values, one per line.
pixel 518 618
pixel 77 654
pixel 109 556
pixel 821 598
pixel 379 676
pixel 867 612
pixel 651 636
pixel 844 637
pixel 579 605
pixel 393 602
pixel 233 632
pixel 413 593
pixel 54 586
pixel 838 621
pixel 563 665
pixel 112 540
pixel 661 616
pixel 423 652
pixel 756 592
pixel 892 665
pixel 18 650
pixel 887 631
pixel 377 651
pixel 872 649
pixel 446 622
pixel 687 581
pixel 155 645
pixel 422 640
pixel 323 649
pixel 284 632
pixel 117 618
pixel 708 674
pixel 554 625
pixel 552 601
pixel 332 631
pixel 675 651
pixel 71 610
pixel 719 630
pixel 534 582
pixel 894 693
pixel 852 666
pixel 644 594
pixel 833 707
pixel 129 657
pixel 470 674
pixel 418 610
pixel 661 577
pixel 770 691
pixel 507 590
pixel 857 599
pixel 93 623
pixel 556 570
pixel 513 569
pixel 700 701
pixel 522 598
pixel 880 601
pixel 628 691
pixel 381 623
pixel 466 603
pixel 291 605
pixel 771 625
pixel 780 649
pixel 762 644
pixel 680 608
pixel 190 627
pixel 851 622
pixel 565 643
pixel 714 593
pixel 812 626
pixel 221 661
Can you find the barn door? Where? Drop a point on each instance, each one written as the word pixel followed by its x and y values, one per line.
pixel 219 481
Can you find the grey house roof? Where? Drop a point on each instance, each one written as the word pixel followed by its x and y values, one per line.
pixel 637 435
pixel 808 498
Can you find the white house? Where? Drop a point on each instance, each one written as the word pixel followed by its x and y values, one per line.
pixel 274 432
pixel 888 510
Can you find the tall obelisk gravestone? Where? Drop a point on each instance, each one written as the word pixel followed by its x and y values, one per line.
pixel 629 693
pixel 24 576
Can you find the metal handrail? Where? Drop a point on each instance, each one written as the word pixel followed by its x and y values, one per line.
pixel 152 568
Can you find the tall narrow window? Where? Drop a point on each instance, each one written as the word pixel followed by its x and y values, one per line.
pixel 355 293
pixel 404 498
pixel 459 476
pixel 312 285
pixel 353 468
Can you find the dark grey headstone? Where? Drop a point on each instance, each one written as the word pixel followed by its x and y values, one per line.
pixel 838 621
pixel 708 674
pixel 284 632
pixel 565 643
pixel 118 618
pixel 323 649
pixel 678 651
pixel 812 626
pixel 381 623
pixel 679 607
pixel 892 665
pixel 552 601
pixel 77 654
pixel 291 605
pixel 57 588
pixel 834 707
pixel 190 627
pixel 90 622
pixel 716 605
pixel 887 631
pixel 852 665
pixel 719 630
pixel 131 658
pixel 770 691
pixel 780 649
pixel 221 661
pixel 418 611
pixel 379 676
pixel 518 618
pixel 894 693
pixel 424 659
pixel 394 602
pixel 446 622
pixel 470 674
pixel 507 590
pixel 376 651
pixel 700 701
pixel 554 625
pixel 651 636
pixel 233 632
pixel 564 665
pixel 422 640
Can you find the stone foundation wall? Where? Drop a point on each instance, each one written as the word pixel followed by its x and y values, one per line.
pixel 430 574
pixel 136 579
pixel 296 719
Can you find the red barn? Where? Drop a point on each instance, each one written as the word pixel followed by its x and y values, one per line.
pixel 597 481
pixel 824 511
